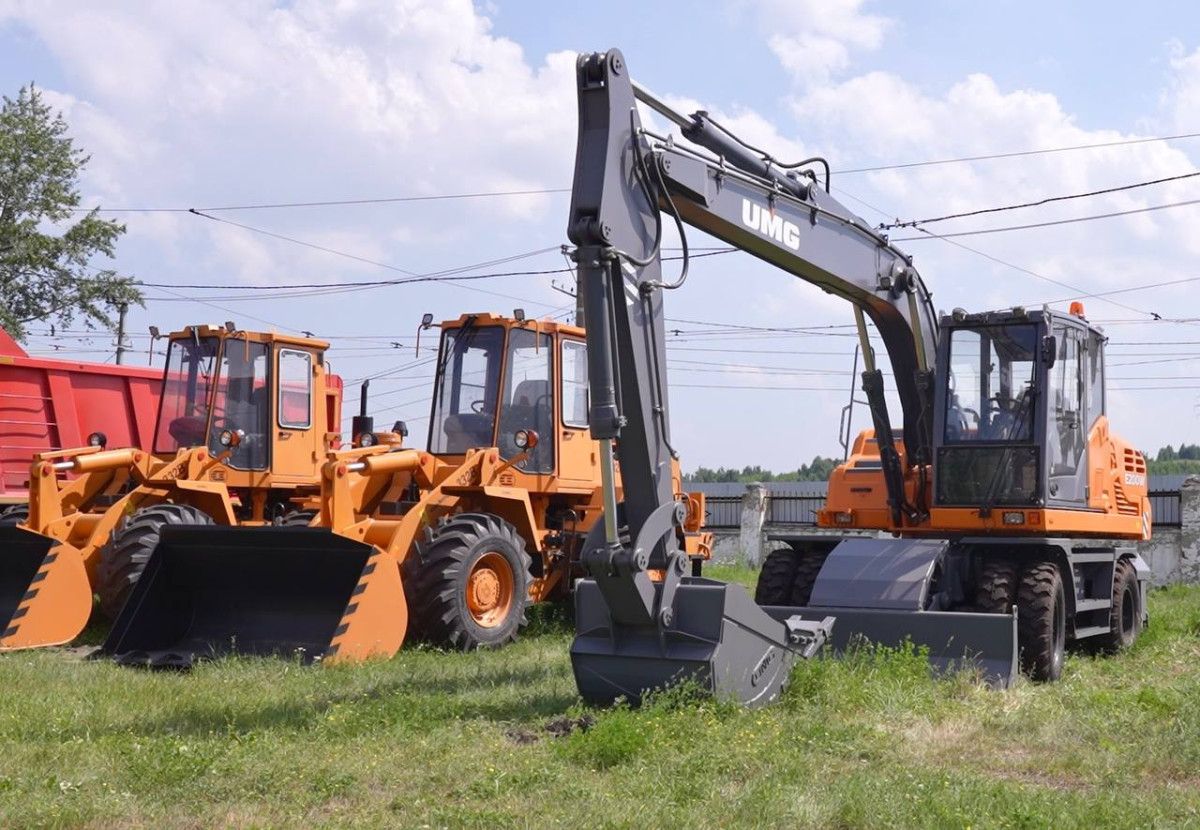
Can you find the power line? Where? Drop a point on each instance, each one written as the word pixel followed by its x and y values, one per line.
pixel 1020 153
pixel 1048 200
pixel 1052 223
pixel 332 202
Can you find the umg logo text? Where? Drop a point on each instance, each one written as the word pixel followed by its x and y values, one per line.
pixel 770 224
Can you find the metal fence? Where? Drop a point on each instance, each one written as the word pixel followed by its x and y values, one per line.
pixel 797 502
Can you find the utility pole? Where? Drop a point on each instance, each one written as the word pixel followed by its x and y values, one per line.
pixel 121 309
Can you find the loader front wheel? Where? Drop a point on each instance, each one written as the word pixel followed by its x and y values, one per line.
pixel 124 557
pixel 472 583
pixel 14 514
pixel 775 579
pixel 1042 621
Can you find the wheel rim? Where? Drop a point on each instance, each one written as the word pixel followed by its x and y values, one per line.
pixel 1060 632
pixel 490 590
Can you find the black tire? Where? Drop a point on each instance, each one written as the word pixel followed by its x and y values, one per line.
pixel 996 591
pixel 808 567
pixel 1041 621
pixel 124 557
pixel 297 518
pixel 467 557
pixel 14 514
pixel 775 579
pixel 1126 615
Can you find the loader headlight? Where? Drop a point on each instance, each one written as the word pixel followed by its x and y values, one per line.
pixel 525 439
pixel 368 439
pixel 98 439
pixel 1014 517
pixel 231 437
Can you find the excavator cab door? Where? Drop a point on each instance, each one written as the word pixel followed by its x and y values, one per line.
pixel 1067 418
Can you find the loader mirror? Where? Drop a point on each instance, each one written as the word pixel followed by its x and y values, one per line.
pixel 525 439
pixel 97 439
pixel 400 428
pixel 231 437
pixel 1049 350
pixel 426 320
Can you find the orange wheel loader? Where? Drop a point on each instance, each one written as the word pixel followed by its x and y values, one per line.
pixel 450 543
pixel 243 427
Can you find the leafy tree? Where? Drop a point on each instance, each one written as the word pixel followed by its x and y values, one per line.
pixel 44 276
pixel 819 470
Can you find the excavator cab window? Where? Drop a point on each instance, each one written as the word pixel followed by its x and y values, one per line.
pixel 187 393
pixel 528 402
pixel 988 454
pixel 243 403
pixel 468 380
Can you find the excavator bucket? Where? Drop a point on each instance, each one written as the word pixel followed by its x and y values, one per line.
pixel 880 591
pixel 719 639
pixel 45 595
pixel 298 591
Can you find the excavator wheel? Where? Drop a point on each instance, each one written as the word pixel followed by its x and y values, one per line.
pixel 996 590
pixel 775 579
pixel 808 567
pixel 124 557
pixel 14 514
pixel 1041 621
pixel 472 582
pixel 1126 615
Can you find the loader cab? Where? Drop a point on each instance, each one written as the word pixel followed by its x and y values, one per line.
pixel 1017 394
pixel 501 379
pixel 260 398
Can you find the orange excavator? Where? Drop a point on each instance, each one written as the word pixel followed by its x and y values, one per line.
pixel 451 542
pixel 1011 510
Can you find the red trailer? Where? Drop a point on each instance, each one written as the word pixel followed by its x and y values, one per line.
pixel 55 404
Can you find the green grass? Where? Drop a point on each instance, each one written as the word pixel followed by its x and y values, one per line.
pixel 497 739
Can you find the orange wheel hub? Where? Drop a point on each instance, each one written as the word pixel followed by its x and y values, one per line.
pixel 490 590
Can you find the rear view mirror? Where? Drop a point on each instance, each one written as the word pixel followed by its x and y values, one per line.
pixel 1049 350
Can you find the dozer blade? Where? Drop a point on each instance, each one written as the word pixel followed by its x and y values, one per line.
pixel 879 589
pixel 719 640
pixel 45 595
pixel 300 591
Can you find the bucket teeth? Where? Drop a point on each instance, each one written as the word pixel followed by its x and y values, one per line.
pixel 45 593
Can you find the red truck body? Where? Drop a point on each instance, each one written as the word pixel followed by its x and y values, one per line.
pixel 49 404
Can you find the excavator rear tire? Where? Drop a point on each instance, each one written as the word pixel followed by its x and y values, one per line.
pixel 808 567
pixel 775 579
pixel 1126 615
pixel 997 588
pixel 124 557
pixel 1042 621
pixel 472 583
pixel 14 514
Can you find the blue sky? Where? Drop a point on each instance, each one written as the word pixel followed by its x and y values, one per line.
pixel 188 104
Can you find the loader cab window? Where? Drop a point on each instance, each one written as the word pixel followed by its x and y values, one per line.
pixel 574 388
pixel 988 455
pixel 468 380
pixel 528 401
pixel 187 392
pixel 295 389
pixel 243 402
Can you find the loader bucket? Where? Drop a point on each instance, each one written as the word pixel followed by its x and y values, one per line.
pixel 297 591
pixel 45 595
pixel 720 640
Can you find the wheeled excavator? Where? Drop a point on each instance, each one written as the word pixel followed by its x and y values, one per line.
pixel 1009 510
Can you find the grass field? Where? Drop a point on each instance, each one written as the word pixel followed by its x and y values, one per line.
pixel 499 739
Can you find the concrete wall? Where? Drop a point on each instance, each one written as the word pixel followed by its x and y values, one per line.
pixel 1173 553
